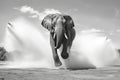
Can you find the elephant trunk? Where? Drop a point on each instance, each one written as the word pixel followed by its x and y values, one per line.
pixel 58 34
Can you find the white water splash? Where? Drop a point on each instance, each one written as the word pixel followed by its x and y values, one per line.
pixel 29 47
pixel 92 50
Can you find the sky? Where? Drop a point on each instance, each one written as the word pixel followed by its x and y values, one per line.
pixel 95 15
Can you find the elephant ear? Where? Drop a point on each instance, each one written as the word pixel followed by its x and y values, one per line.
pixel 47 22
pixel 69 24
pixel 69 21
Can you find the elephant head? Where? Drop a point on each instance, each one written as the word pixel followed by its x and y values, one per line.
pixel 61 33
pixel 54 23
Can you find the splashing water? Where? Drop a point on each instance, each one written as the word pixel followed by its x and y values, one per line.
pixel 92 50
pixel 29 47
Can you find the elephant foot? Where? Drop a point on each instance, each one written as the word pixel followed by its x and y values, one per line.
pixel 64 55
pixel 57 64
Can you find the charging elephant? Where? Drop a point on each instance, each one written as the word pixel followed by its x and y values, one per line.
pixel 62 32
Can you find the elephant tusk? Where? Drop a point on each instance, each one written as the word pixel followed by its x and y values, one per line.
pixel 66 36
pixel 54 36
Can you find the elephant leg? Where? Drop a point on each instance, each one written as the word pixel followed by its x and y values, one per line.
pixel 64 53
pixel 67 43
pixel 72 37
pixel 54 51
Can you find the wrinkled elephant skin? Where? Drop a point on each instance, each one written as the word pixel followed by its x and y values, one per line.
pixel 62 32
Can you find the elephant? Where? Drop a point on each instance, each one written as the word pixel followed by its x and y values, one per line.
pixel 62 33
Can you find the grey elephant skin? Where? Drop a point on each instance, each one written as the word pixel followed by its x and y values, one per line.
pixel 62 32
